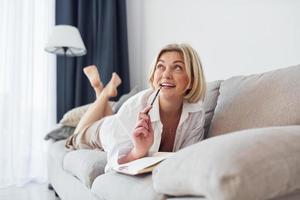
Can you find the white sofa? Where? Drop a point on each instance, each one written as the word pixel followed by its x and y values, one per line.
pixel 256 154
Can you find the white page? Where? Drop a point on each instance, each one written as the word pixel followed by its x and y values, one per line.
pixel 135 166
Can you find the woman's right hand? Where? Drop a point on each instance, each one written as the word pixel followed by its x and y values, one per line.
pixel 142 136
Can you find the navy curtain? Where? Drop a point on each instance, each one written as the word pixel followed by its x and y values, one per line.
pixel 102 25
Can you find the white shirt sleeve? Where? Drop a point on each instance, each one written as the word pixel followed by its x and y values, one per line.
pixel 115 140
pixel 116 130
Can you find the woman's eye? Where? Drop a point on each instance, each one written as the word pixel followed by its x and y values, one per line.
pixel 178 68
pixel 159 67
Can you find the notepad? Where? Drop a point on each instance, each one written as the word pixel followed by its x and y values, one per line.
pixel 143 165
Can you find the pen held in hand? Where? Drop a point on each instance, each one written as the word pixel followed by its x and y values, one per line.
pixel 154 99
pixel 155 96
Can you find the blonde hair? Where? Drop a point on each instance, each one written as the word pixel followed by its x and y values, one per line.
pixel 197 83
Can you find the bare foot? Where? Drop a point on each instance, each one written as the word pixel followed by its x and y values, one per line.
pixel 93 75
pixel 111 87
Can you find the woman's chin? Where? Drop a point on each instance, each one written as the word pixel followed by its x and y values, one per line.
pixel 169 95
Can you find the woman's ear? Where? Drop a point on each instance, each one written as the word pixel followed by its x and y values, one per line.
pixel 187 91
pixel 190 85
pixel 189 88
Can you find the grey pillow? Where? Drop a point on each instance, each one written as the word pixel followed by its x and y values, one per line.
pixel 117 105
pixel 61 133
pixel 252 164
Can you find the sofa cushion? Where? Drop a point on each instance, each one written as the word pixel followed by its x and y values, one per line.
pixel 85 164
pixel 115 186
pixel 57 150
pixel 251 164
pixel 293 196
pixel 73 116
pixel 261 100
pixel 210 102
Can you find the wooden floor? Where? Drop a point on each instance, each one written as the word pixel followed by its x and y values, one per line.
pixel 28 192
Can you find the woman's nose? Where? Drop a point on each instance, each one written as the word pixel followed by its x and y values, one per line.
pixel 167 73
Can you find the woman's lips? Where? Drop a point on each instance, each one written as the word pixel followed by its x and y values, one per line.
pixel 167 85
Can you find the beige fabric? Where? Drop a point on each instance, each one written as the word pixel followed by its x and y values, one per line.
pixel 261 100
pixel 251 164
pixel 210 103
pixel 73 116
pixel 87 138
pixel 292 196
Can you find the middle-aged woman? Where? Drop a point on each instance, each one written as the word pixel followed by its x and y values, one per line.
pixel 174 121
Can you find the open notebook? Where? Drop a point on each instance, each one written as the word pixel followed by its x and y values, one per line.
pixel 143 165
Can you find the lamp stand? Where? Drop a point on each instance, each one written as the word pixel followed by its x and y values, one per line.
pixel 65 49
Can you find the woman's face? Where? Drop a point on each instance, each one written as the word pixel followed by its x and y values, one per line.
pixel 170 73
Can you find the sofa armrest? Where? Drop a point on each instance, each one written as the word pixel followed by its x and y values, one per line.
pixel 251 164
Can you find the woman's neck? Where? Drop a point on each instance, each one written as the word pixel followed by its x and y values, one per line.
pixel 170 108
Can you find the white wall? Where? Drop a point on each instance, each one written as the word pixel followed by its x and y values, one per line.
pixel 232 37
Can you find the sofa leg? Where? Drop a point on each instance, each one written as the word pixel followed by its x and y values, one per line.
pixel 50 187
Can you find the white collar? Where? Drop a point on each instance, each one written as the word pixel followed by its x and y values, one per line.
pixel 186 109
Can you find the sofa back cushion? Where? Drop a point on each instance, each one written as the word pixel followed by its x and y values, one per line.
pixel 260 100
pixel 210 102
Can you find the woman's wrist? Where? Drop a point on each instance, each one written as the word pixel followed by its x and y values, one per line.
pixel 138 154
pixel 134 154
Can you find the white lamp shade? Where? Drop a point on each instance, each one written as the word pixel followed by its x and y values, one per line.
pixel 68 37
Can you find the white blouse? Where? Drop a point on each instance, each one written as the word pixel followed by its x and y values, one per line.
pixel 116 130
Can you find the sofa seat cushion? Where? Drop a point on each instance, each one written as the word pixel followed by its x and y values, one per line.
pixel 252 164
pixel 115 186
pixel 260 100
pixel 58 151
pixel 85 164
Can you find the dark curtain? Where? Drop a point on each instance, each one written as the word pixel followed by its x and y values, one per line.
pixel 102 25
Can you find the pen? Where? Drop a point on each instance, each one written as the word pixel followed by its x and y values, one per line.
pixel 155 96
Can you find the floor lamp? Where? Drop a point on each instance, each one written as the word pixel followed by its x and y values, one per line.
pixel 65 41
